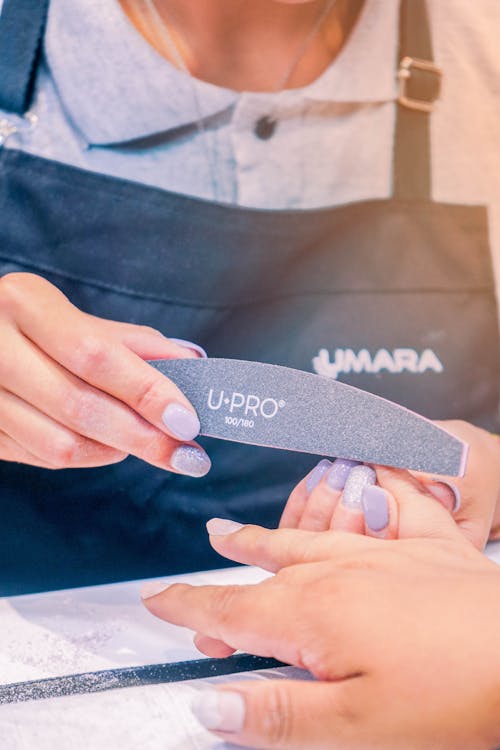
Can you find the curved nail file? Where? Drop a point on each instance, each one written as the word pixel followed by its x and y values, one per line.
pixel 278 407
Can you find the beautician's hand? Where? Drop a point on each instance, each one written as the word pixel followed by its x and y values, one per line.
pixel 331 496
pixel 75 390
pixel 402 636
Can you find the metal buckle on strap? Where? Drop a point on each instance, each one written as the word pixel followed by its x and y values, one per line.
pixel 407 65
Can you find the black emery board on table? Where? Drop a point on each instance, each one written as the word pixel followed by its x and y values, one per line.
pixel 279 407
pixel 126 677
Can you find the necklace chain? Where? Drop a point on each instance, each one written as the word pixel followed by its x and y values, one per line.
pixel 316 28
pixel 210 154
pixel 164 29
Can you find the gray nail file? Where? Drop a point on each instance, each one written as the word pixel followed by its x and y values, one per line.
pixel 278 407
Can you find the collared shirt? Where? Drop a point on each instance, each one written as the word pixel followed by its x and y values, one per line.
pixel 108 102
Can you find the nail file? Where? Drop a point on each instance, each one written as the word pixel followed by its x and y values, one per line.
pixel 125 677
pixel 279 407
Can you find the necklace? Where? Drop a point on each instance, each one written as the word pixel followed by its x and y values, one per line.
pixel 265 126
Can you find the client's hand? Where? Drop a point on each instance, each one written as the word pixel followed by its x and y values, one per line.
pixel 402 636
pixel 331 496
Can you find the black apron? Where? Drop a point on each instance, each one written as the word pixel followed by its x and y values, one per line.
pixel 406 279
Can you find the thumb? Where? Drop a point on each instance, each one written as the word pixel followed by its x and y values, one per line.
pixel 445 489
pixel 419 513
pixel 280 713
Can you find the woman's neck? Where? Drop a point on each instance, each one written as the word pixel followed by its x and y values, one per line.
pixel 247 44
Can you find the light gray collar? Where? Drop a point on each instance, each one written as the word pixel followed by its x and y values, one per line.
pixel 117 88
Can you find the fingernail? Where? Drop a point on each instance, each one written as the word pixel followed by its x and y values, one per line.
pixel 190 460
pixel 181 422
pixel 317 474
pixel 337 476
pixel 375 507
pixel 446 492
pixel 152 588
pixel 219 710
pixel 190 345
pixel 359 478
pixel 222 527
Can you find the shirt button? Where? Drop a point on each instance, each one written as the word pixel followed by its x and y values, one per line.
pixel 265 128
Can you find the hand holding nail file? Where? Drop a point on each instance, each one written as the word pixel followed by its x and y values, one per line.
pixel 279 407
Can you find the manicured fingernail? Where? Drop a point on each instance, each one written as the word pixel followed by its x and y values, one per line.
pixel 447 493
pixel 181 422
pixel 190 460
pixel 359 478
pixel 222 527
pixel 375 507
pixel 152 588
pixel 337 476
pixel 317 474
pixel 219 710
pixel 190 345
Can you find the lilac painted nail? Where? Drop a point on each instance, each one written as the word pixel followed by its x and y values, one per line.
pixel 190 345
pixel 375 507
pixel 190 460
pixel 337 476
pixel 317 474
pixel 359 478
pixel 446 490
pixel 181 422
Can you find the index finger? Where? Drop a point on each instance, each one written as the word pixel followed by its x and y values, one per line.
pixel 100 360
pixel 255 618
pixel 274 549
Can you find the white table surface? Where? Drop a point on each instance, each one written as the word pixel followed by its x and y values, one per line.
pixel 104 627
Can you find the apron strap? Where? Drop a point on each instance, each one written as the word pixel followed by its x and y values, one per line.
pixel 22 24
pixel 419 88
